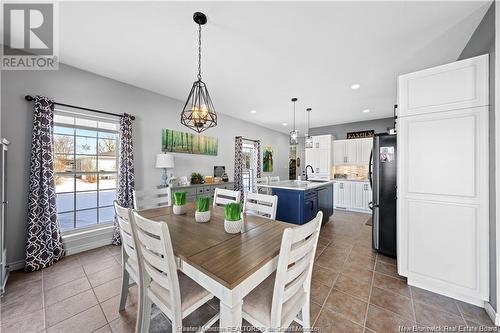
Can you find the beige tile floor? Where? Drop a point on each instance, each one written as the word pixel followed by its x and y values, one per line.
pixel 353 290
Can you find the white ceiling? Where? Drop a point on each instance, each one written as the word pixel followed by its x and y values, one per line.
pixel 257 55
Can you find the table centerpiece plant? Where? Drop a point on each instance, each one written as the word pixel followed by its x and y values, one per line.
pixel 233 219
pixel 202 213
pixel 179 206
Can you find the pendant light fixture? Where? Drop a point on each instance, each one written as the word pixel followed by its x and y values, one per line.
pixel 199 112
pixel 309 138
pixel 294 135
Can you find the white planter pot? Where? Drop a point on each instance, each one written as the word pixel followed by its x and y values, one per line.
pixel 233 227
pixel 202 216
pixel 179 210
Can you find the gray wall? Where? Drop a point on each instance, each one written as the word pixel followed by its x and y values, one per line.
pixel 340 131
pixel 153 112
pixel 482 42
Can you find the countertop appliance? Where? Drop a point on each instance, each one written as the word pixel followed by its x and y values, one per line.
pixel 382 175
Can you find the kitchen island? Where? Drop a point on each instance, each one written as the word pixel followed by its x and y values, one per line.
pixel 299 201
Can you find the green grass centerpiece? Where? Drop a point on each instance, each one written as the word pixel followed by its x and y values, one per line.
pixel 179 206
pixel 233 222
pixel 202 213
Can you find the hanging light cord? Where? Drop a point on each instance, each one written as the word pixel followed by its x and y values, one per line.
pixel 199 52
pixel 308 122
pixel 294 116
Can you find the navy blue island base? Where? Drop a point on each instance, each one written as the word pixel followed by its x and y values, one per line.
pixel 301 206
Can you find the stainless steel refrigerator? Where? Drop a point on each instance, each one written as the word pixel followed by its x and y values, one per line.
pixel 382 175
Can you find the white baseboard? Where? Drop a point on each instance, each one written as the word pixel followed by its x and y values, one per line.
pixel 494 316
pixel 16 265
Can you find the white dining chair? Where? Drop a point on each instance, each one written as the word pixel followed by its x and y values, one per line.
pixel 277 301
pixel 261 204
pixel 152 198
pixel 273 179
pixel 262 180
pixel 130 266
pixel 173 292
pixel 223 197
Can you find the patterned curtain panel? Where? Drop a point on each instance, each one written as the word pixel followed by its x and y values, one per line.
pixel 238 164
pixel 44 243
pixel 125 170
pixel 256 165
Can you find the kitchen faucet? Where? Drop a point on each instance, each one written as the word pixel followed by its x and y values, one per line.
pixel 312 169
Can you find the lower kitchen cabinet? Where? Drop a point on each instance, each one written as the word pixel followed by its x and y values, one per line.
pixel 352 196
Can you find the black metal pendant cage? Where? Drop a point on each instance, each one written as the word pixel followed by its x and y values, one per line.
pixel 199 112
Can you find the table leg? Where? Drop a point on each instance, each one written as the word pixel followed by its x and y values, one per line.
pixel 230 317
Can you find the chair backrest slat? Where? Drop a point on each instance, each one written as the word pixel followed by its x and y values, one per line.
pixel 222 197
pixel 297 268
pixel 301 249
pixel 274 179
pixel 151 243
pixel 156 276
pixel 293 274
pixel 154 260
pixel 152 198
pixel 261 204
pixel 294 286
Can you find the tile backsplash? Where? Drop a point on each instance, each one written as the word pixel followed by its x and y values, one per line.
pixel 351 171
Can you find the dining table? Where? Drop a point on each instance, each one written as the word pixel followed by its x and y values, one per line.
pixel 227 265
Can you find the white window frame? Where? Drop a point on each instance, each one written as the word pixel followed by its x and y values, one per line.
pixel 98 227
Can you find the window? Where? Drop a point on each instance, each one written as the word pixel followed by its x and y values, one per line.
pixel 85 166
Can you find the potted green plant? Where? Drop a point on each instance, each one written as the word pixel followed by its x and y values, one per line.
pixel 202 213
pixel 196 178
pixel 233 220
pixel 179 206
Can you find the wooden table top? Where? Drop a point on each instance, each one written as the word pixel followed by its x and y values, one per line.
pixel 227 258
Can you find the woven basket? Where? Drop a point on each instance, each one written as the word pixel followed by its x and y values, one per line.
pixel 202 216
pixel 233 227
pixel 179 210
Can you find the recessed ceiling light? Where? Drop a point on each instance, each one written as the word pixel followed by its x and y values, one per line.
pixel 285 124
pixel 355 86
pixel 366 110
pixel 253 111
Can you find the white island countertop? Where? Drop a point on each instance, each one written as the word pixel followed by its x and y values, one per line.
pixel 299 185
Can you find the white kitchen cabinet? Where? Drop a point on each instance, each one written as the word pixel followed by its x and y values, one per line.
pixel 342 195
pixel 320 157
pixel 339 152
pixel 352 196
pixel 442 207
pixel 352 151
pixel 363 150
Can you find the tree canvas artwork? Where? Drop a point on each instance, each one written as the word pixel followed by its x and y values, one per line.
pixel 267 161
pixel 183 142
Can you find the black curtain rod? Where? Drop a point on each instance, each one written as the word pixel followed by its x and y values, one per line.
pixel 30 98
pixel 249 139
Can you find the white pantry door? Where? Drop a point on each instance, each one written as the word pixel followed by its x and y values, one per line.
pixel 443 179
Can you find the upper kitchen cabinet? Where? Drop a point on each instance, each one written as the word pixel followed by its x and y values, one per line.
pixel 463 85
pixel 320 157
pixel 352 151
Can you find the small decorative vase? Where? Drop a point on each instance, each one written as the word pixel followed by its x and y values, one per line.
pixel 233 227
pixel 202 216
pixel 179 210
